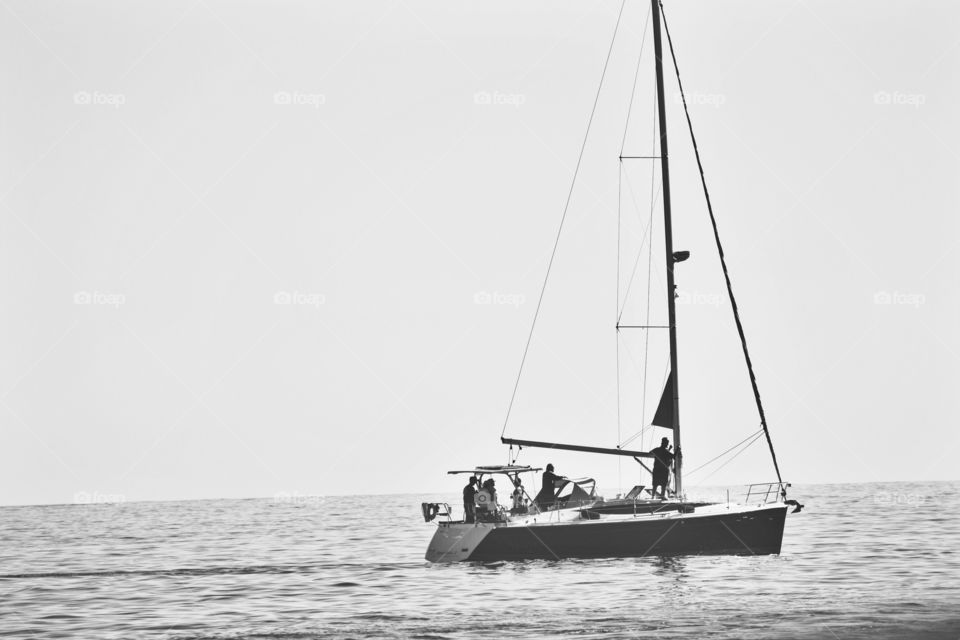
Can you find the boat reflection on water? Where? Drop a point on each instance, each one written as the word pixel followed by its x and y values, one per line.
pixel 669 566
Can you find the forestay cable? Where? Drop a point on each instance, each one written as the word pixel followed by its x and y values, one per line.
pixel 723 262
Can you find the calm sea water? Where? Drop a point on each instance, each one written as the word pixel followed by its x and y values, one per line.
pixel 861 561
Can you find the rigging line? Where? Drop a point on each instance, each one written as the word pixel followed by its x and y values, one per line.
pixel 566 208
pixel 633 437
pixel 732 458
pixel 646 427
pixel 647 229
pixel 643 326
pixel 619 475
pixel 717 457
pixel 723 262
pixel 636 263
pixel 619 206
pixel 633 92
pixel 653 204
pixel 636 367
pixel 616 310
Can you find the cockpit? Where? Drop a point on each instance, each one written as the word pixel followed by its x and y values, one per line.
pixel 486 501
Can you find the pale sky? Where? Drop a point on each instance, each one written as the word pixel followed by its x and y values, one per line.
pixel 280 247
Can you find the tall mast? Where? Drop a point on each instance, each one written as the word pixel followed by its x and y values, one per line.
pixel 668 236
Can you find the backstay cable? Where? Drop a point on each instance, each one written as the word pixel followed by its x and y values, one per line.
pixel 566 208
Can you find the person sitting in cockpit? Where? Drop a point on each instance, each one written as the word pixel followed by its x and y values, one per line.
pixel 491 486
pixel 519 503
pixel 487 499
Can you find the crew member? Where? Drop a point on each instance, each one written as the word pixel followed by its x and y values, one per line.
pixel 490 486
pixel 551 481
pixel 469 500
pixel 487 499
pixel 662 459
pixel 517 496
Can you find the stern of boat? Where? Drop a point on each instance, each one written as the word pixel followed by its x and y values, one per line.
pixel 456 541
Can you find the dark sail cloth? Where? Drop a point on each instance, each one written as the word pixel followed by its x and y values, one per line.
pixel 469 503
pixel 546 497
pixel 661 465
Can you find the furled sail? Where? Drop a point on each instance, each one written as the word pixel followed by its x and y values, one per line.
pixel 664 415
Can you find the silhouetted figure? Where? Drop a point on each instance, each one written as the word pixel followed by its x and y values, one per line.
pixel 517 497
pixel 487 500
pixel 470 501
pixel 547 495
pixel 490 486
pixel 662 459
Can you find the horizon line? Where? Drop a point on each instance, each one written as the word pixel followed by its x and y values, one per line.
pixel 292 496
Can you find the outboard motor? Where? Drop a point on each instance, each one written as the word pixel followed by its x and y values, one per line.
pixel 430 510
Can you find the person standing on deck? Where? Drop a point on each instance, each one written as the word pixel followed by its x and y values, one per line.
pixel 470 501
pixel 662 459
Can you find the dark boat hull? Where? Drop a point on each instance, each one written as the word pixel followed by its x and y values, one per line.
pixel 754 532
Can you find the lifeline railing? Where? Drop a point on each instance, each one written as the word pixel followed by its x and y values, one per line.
pixel 766 492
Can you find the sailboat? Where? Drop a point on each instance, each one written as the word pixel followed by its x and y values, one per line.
pixel 568 519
